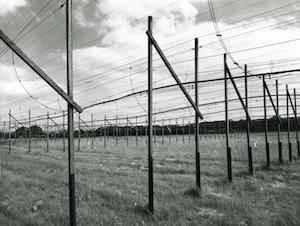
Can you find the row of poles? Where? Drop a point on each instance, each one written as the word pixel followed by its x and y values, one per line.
pixel 227 76
pixel 266 92
pixel 151 43
pixel 164 132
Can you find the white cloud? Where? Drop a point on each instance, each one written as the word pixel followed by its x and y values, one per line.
pixel 10 6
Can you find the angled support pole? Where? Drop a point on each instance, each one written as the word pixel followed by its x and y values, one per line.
pixel 152 42
pixel 67 96
pixel 272 102
pixel 171 70
pixel 38 70
pixel 56 125
pixel 266 91
pixel 296 120
pixel 228 148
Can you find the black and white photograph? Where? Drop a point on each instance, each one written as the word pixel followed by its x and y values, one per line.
pixel 149 112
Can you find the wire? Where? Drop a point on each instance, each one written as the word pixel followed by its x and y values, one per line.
pixel 28 93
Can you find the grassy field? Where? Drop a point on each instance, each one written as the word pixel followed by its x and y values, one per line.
pixel 111 184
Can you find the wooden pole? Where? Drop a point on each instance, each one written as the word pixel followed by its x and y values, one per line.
pixel 116 130
pixel 176 131
pixel 296 123
pixel 15 132
pixel 92 128
pixel 104 131
pixel 278 127
pixel 170 133
pixel 127 141
pixel 266 124
pixel 154 131
pixel 71 157
pixel 136 131
pixel 63 133
pixel 228 149
pixel 146 132
pixel 79 132
pixel 249 148
pixel 9 133
pixel 163 133
pixel 150 128
pixel 182 131
pixel 47 135
pixel 288 124
pixel 197 153
pixel 189 130
pixel 29 132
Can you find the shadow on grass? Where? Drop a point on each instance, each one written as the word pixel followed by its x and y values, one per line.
pixel 144 212
pixel 193 192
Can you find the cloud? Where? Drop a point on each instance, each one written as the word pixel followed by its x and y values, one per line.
pixel 10 6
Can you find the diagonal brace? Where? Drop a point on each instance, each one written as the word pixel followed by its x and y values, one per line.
pixel 237 91
pixel 59 128
pixel 171 70
pixel 294 110
pixel 16 120
pixel 38 70
pixel 273 105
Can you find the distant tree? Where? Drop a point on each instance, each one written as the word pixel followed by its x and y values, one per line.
pixel 36 130
pixel 21 131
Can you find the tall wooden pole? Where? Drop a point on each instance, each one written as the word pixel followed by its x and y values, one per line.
pixel 47 135
pixel 105 131
pixel 69 48
pixel 136 131
pixel 79 132
pixel 29 132
pixel 63 133
pixel 296 122
pixel 150 128
pixel 154 131
pixel 197 153
pixel 170 132
pixel 288 124
pixel 266 124
pixel 92 128
pixel 146 132
pixel 176 131
pixel 278 127
pixel 228 149
pixel 249 148
pixel 127 139
pixel 163 133
pixel 116 130
pixel 15 132
pixel 189 130
pixel 182 131
pixel 9 132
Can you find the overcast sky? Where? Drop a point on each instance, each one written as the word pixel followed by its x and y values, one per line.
pixel 110 53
